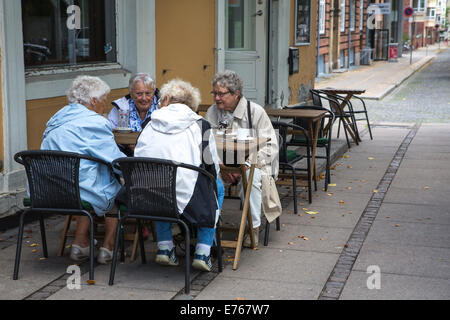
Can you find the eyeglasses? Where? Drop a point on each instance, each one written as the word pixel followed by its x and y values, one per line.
pixel 220 94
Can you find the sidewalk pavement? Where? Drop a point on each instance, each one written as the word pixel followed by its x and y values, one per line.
pixel 381 77
pixel 386 210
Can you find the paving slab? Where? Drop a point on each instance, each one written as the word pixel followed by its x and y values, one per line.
pixel 405 195
pixel 226 288
pixel 414 260
pixel 396 287
pixel 284 265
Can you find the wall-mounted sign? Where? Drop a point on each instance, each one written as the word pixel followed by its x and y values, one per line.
pixel 379 8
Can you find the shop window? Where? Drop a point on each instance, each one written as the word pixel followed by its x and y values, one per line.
pixel 302 22
pixel 68 32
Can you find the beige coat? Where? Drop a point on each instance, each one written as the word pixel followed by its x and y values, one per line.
pixel 267 157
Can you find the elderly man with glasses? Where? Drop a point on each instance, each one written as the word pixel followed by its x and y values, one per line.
pixel 233 111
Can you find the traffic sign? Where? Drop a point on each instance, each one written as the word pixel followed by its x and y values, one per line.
pixel 408 11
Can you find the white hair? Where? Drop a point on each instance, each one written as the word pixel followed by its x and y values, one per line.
pixel 141 77
pixel 179 91
pixel 85 88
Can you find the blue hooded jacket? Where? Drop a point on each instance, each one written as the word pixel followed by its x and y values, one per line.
pixel 78 129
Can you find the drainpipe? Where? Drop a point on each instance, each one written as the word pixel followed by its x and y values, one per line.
pixel 318 39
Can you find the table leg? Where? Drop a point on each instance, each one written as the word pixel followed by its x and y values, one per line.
pixel 246 216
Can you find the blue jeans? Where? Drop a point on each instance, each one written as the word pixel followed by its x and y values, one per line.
pixel 204 235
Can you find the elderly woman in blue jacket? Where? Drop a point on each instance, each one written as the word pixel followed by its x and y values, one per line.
pixel 81 128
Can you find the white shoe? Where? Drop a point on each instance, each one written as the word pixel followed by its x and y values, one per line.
pixel 105 256
pixel 78 253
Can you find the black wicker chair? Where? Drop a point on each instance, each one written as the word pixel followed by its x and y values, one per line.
pixel 151 195
pixel 53 181
pixel 324 137
pixel 288 158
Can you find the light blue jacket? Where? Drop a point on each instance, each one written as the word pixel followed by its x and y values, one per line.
pixel 78 129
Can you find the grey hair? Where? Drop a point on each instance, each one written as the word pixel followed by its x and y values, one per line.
pixel 230 80
pixel 141 77
pixel 85 88
pixel 179 91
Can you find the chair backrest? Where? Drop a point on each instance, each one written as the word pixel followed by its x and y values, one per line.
pixel 334 101
pixel 53 178
pixel 283 128
pixel 316 98
pixel 150 186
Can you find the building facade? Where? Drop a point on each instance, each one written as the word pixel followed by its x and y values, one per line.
pixel 427 23
pixel 354 32
pixel 45 44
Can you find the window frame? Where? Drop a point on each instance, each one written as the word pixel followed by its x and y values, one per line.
pixel 322 16
pixel 296 42
pixel 361 15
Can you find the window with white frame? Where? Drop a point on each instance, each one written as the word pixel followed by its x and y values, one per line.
pixel 302 22
pixel 68 32
pixel 361 14
pixel 352 9
pixel 322 12
pixel 419 5
pixel 342 15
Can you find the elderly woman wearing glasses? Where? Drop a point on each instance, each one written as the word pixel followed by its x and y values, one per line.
pixel 81 128
pixel 232 110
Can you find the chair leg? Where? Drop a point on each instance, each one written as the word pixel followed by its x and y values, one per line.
pixel 92 245
pixel 266 235
pixel 141 242
pixel 114 259
pixel 368 126
pixel 19 246
pixel 187 288
pixel 63 240
pixel 122 244
pixel 219 248
pixel 43 236
pixel 277 222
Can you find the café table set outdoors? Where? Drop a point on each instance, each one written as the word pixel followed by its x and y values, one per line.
pixel 234 151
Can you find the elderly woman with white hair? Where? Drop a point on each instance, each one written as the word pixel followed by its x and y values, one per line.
pixel 81 128
pixel 175 133
pixel 140 103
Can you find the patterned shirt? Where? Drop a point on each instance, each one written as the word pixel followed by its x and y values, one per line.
pixel 135 119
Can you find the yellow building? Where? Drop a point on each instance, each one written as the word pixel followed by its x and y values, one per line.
pixel 45 44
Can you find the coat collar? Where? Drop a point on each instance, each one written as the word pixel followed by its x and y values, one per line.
pixel 241 109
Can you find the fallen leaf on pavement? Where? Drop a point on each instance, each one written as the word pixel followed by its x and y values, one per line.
pixel 397 225
pixel 349 167
pixel 346 157
pixel 341 202
pixel 311 212
pixel 332 185
pixel 330 194
pixel 290 243
pixel 91 282
pixel 33 245
pixel 375 191
pixel 371 158
pixel 426 188
pixel 33 251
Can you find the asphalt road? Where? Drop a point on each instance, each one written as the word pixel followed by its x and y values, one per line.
pixel 425 97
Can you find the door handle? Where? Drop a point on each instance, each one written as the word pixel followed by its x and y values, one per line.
pixel 258 13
